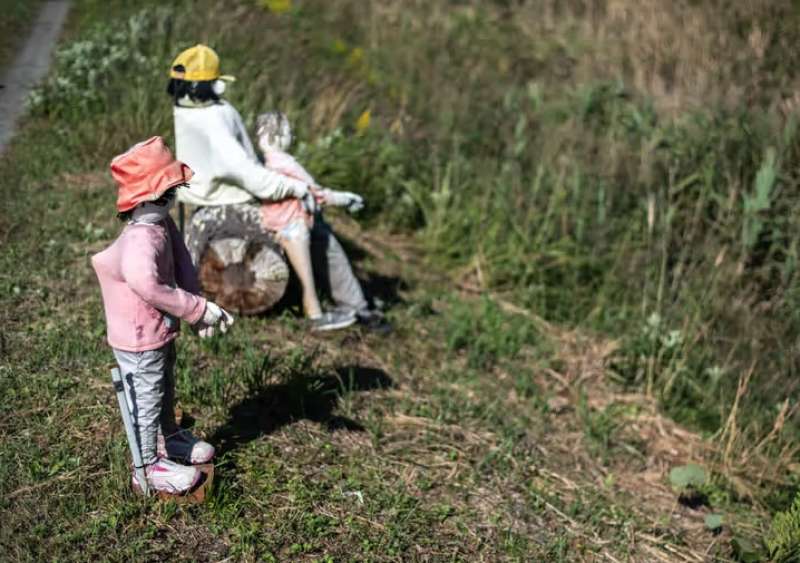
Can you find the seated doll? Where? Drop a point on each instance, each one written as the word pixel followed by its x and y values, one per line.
pixel 293 219
pixel 148 284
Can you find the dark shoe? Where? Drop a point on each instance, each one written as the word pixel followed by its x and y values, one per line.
pixel 184 447
pixel 373 320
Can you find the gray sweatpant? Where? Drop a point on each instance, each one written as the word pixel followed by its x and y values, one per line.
pixel 149 382
pixel 332 270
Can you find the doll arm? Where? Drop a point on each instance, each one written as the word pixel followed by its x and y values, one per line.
pixel 263 183
pixel 140 271
pixel 214 318
pixel 185 272
pixel 286 164
pixel 236 166
pixel 349 200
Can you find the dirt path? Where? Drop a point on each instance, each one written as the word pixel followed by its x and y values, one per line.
pixel 30 66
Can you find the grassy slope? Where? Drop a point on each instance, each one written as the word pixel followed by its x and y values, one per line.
pixel 475 431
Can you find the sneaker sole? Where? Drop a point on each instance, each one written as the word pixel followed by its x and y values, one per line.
pixel 335 326
pixel 138 488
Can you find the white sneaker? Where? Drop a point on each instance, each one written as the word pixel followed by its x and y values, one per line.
pixel 184 446
pixel 169 477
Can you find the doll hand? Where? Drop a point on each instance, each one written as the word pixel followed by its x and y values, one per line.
pixel 214 316
pixel 356 203
pixel 226 321
pixel 350 201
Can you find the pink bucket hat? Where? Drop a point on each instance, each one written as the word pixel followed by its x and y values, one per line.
pixel 145 172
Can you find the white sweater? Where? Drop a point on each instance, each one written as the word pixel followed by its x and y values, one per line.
pixel 213 141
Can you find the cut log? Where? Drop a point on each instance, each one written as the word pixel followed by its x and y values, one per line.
pixel 245 276
pixel 240 264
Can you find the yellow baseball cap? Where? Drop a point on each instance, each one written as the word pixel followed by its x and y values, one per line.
pixel 201 63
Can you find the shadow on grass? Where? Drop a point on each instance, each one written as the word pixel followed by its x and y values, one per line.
pixel 298 397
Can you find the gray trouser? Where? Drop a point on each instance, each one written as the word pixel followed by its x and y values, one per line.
pixel 149 383
pixel 332 270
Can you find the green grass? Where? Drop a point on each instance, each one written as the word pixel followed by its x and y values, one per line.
pixel 544 322
pixel 14 25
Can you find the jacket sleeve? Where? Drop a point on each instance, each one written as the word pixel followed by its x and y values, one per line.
pixel 185 272
pixel 140 271
pixel 236 166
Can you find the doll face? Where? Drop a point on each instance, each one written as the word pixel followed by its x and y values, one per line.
pixel 167 199
pixel 273 131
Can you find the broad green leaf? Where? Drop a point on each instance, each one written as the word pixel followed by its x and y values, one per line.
pixel 746 551
pixel 765 180
pixel 713 521
pixel 685 476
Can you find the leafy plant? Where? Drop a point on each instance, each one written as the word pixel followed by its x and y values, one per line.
pixel 88 69
pixel 486 333
pixel 690 482
pixel 746 551
pixel 758 202
pixel 714 522
pixel 783 539
pixel 370 163
pixel 687 476
pixel 600 426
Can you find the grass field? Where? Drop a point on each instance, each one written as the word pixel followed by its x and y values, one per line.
pixel 17 19
pixel 586 238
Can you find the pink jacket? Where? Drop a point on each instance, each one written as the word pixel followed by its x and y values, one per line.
pixel 147 280
pixel 275 215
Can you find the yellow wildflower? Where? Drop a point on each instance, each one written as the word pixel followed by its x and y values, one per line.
pixel 362 123
pixel 339 47
pixel 356 57
pixel 277 6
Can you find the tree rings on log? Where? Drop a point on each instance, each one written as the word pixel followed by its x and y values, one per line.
pixel 243 276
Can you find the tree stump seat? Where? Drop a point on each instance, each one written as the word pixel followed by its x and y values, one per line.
pixel 240 265
pixel 246 277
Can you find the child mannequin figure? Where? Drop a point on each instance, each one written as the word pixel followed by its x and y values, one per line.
pixel 148 284
pixel 292 219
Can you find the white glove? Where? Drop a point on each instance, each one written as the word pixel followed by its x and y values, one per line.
pixel 214 316
pixel 350 201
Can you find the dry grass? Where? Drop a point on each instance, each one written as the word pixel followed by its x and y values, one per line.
pixel 684 54
pixel 635 480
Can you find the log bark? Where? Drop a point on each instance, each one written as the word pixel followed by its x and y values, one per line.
pixel 243 275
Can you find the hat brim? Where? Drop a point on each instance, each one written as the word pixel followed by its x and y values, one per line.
pixel 200 76
pixel 175 174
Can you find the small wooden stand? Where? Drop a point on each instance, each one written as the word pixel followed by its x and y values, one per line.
pixel 199 493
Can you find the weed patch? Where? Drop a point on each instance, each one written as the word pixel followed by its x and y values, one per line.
pixel 485 333
pixel 783 540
